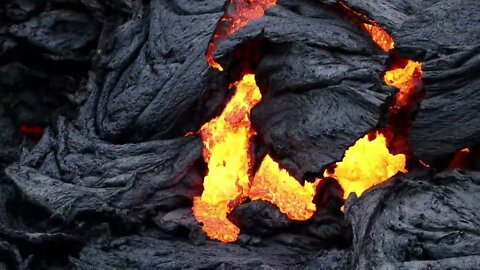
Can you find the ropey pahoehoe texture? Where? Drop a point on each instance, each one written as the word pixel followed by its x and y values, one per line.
pixel 120 83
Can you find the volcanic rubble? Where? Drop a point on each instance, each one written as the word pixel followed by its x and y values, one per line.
pixel 119 89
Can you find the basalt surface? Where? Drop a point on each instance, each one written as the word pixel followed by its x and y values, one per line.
pixel 118 84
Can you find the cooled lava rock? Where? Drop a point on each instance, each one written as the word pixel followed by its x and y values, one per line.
pixel 320 78
pixel 150 253
pixel 90 176
pixel 260 217
pixel 421 221
pixel 449 117
pixel 45 54
pixel 122 165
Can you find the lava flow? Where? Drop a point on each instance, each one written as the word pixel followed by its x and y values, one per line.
pixel 275 185
pixel 369 161
pixel 227 146
pixel 237 15
pixel 226 142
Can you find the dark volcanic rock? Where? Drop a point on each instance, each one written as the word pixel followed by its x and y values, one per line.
pixel 449 41
pixel 418 222
pixel 45 54
pixel 320 80
pixel 177 221
pixel 26 230
pixel 260 217
pixel 330 259
pixel 71 174
pixel 149 253
pixel 151 71
pixel 60 32
pixel 387 13
pixel 9 141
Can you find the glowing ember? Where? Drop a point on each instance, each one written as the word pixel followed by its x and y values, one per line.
pixel 380 36
pixel 226 150
pixel 238 14
pixel 275 185
pixel 405 79
pixel 461 160
pixel 31 131
pixel 367 163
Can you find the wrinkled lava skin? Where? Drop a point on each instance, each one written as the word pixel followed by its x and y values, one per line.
pixel 104 185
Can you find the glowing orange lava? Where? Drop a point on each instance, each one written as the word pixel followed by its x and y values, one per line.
pixel 227 151
pixel 369 161
pixel 227 142
pixel 380 37
pixel 405 78
pixel 238 14
pixel 274 184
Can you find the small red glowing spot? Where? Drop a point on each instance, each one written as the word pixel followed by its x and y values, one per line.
pixel 33 132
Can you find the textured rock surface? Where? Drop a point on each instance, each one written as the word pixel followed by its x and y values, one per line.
pixel 151 70
pixel 123 167
pixel 449 40
pixel 420 222
pixel 151 253
pixel 260 217
pixel 90 176
pixel 45 54
pixel 331 259
pixel 320 80
pixel 389 14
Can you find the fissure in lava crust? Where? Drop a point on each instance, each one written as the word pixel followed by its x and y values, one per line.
pixel 227 140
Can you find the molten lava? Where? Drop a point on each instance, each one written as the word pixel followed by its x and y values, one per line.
pixel 227 144
pixel 237 15
pixel 406 78
pixel 275 185
pixel 369 161
pixel 227 151
pixel 228 141
pixel 380 37
pixel 33 132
